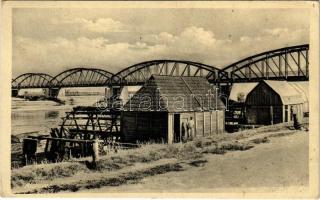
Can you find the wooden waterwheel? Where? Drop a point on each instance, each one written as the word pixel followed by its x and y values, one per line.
pixel 78 130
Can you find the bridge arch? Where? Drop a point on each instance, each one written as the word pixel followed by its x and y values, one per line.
pixel 31 80
pixel 139 73
pixel 81 77
pixel 289 63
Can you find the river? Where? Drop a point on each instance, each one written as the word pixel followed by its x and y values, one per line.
pixel 38 117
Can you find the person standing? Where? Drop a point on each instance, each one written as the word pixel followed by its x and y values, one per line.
pixel 183 132
pixel 188 129
pixel 296 123
pixel 191 127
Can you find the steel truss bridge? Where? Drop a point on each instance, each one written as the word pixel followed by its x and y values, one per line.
pixel 289 63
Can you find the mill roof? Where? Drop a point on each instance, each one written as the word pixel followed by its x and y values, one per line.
pixel 175 94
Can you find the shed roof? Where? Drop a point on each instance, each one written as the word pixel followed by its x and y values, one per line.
pixel 241 88
pixel 303 88
pixel 288 93
pixel 175 94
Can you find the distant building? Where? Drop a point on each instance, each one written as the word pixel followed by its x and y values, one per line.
pixel 31 92
pixel 241 90
pixel 164 104
pixel 75 92
pixel 271 102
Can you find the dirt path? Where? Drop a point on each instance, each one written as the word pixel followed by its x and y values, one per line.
pixel 278 165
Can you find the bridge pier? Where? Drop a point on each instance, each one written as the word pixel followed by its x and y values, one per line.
pixel 14 92
pixel 54 92
pixel 113 96
pixel 116 90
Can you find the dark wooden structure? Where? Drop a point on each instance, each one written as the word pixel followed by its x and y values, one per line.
pixel 80 129
pixel 158 111
pixel 272 102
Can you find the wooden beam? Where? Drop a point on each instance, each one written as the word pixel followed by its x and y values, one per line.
pixel 204 122
pixel 210 122
pixel 170 128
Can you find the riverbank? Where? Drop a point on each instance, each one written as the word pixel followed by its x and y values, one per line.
pixel 277 166
pixel 267 155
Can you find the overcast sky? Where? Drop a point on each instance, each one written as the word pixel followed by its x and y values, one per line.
pixel 52 40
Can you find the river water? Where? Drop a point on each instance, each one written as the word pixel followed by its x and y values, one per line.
pixel 37 117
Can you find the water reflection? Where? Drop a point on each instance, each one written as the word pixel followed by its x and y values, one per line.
pixel 40 116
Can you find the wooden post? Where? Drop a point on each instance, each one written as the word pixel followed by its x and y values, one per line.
pixel 194 132
pixel 301 113
pixel 170 128
pixel 95 150
pixel 180 130
pixel 210 122
pixel 289 113
pixel 283 114
pixel 46 147
pixel 271 115
pixel 204 123
pixel 224 122
pixel 217 122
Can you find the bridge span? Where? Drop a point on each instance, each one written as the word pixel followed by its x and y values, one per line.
pixel 288 63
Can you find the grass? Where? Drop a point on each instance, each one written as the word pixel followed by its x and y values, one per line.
pixel 229 146
pixel 191 151
pixel 113 181
pixel 260 140
pixel 147 153
pixel 236 146
pixel 34 173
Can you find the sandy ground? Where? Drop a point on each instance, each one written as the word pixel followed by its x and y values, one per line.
pixel 276 166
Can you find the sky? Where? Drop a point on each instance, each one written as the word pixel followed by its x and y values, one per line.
pixel 51 40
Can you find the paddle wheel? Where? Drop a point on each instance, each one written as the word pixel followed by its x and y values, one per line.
pixel 79 129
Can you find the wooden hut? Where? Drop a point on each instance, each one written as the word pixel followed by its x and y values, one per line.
pixel 272 102
pixel 160 110
pixel 303 88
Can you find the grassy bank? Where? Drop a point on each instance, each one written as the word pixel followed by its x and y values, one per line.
pixel 191 153
pixel 147 153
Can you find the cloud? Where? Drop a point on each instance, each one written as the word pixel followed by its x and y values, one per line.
pixel 59 54
pixel 192 43
pixel 276 31
pixel 197 35
pixel 249 39
pixel 271 37
pixel 100 25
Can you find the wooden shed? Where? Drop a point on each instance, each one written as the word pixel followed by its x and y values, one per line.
pixel 272 102
pixel 160 109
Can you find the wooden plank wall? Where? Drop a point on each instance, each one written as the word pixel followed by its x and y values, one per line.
pixel 206 123
pixel 144 126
